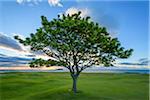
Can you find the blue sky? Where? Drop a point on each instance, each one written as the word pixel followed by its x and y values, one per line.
pixel 127 20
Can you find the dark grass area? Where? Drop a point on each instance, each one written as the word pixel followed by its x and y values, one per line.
pixel 57 86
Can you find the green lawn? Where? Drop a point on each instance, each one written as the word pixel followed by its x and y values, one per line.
pixel 57 86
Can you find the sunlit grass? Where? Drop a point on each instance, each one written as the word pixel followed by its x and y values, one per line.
pixel 57 86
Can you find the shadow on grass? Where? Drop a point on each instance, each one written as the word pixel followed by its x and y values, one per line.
pixel 65 94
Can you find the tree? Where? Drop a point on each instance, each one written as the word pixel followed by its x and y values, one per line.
pixel 41 62
pixel 76 43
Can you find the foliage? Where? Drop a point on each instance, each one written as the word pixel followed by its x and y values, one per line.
pixel 41 62
pixel 75 42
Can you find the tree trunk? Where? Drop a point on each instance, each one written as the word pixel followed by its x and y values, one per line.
pixel 74 86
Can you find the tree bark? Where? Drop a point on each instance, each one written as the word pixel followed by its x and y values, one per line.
pixel 74 86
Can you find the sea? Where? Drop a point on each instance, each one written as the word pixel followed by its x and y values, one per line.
pixel 90 70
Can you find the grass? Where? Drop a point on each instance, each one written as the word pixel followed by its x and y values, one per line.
pixel 57 86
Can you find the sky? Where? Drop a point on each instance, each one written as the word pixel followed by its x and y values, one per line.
pixel 127 20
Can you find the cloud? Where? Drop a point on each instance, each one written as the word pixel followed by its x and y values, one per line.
pixel 35 2
pixel 110 22
pixel 3 55
pixel 30 55
pixel 84 11
pixel 55 3
pixel 145 61
pixel 11 45
pixel 104 19
pixel 11 61
pixel 8 61
pixel 20 1
pixel 140 62
pixel 130 63
pixel 8 42
pixel 29 2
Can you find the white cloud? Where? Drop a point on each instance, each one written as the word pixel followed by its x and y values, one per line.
pixel 84 11
pixel 55 3
pixel 29 2
pixel 50 2
pixel 20 1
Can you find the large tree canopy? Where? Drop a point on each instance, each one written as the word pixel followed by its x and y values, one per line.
pixel 76 43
